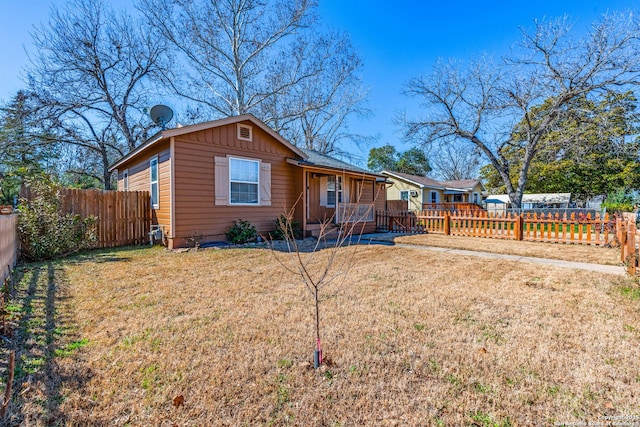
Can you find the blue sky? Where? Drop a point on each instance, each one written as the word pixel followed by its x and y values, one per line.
pixel 397 40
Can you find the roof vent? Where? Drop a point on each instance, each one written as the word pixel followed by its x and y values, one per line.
pixel 244 132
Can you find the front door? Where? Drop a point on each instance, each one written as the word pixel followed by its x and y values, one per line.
pixel 318 209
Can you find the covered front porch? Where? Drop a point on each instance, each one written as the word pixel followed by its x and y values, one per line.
pixel 336 193
pixel 334 199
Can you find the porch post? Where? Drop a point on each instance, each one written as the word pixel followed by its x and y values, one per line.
pixel 305 199
pixel 338 184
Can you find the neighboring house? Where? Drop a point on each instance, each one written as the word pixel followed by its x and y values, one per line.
pixel 203 177
pixel 426 193
pixel 502 202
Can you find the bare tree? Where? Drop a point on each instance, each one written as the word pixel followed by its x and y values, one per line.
pixel 228 47
pixel 89 75
pixel 452 162
pixel 321 104
pixel 264 57
pixel 325 266
pixel 493 105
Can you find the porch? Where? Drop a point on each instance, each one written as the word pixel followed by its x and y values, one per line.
pixel 333 200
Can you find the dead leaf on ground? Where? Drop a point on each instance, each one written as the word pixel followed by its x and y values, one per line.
pixel 178 401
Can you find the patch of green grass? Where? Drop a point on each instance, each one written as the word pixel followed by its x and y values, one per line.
pixel 631 292
pixel 282 390
pixel 13 308
pixel 434 365
pixel 486 420
pixel 285 363
pixel 419 327
pixel 465 317
pixel 155 344
pixel 31 366
pixel 489 333
pixel 150 376
pixel 454 380
pixel 553 390
pixel 481 388
pixel 70 348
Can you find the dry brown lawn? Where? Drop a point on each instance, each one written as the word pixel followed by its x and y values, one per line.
pixel 563 251
pixel 411 338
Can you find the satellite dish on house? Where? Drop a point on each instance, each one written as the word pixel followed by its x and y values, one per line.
pixel 161 115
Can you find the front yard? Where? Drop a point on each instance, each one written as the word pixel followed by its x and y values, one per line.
pixel 411 338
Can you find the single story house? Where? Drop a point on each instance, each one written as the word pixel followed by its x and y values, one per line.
pixel 202 177
pixel 425 193
pixel 502 202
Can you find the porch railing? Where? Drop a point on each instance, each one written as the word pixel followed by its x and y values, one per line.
pixel 453 206
pixel 355 212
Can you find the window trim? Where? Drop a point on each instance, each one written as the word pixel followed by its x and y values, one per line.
pixel 337 189
pixel 407 192
pixel 257 183
pixel 154 160
pixel 434 196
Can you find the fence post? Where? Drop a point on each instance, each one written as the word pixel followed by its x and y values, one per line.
pixel 519 224
pixel 447 224
pixel 619 230
pixel 622 236
pixel 631 247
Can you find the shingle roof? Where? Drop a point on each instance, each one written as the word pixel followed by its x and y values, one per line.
pixel 423 181
pixel 532 198
pixel 420 180
pixel 315 158
pixel 461 183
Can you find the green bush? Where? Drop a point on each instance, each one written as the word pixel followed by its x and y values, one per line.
pixel 287 228
pixel 241 232
pixel 47 233
pixel 620 201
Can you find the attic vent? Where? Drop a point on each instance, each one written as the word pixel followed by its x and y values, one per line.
pixel 244 132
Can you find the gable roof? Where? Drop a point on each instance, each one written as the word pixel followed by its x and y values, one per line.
pixel 168 133
pixel 466 184
pixel 424 182
pixel 420 181
pixel 317 159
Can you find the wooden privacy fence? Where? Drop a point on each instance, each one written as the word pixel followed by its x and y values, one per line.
pixel 8 244
pixel 584 229
pixel 123 217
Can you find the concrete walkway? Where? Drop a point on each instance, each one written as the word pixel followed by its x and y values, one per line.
pixel 388 239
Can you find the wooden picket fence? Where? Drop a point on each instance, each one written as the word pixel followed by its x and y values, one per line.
pixel 629 238
pixel 573 228
pixel 8 245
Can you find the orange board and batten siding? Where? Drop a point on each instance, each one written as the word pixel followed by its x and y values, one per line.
pixel 140 180
pixel 196 210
